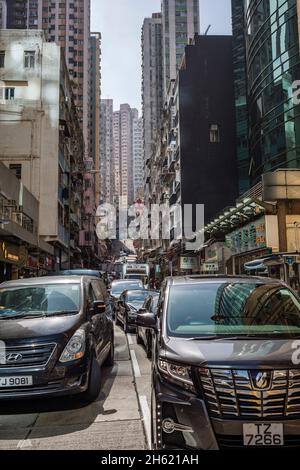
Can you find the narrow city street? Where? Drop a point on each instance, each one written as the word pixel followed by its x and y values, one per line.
pixel 119 419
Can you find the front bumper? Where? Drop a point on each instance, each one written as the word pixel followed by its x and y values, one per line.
pixel 194 429
pixel 60 381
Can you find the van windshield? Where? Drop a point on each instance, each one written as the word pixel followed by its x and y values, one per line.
pixel 38 300
pixel 232 309
pixel 120 287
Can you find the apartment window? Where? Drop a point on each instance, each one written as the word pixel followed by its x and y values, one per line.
pixel 87 184
pixel 16 169
pixel 7 93
pixel 29 59
pixel 2 59
pixel 214 133
pixel 88 236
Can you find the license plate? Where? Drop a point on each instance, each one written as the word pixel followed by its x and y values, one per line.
pixel 263 434
pixel 20 381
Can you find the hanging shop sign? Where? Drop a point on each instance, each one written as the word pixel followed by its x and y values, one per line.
pixel 248 238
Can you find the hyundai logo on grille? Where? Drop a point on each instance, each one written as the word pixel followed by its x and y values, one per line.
pixel 11 358
pixel 261 380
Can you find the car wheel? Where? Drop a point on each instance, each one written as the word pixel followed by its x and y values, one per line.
pixel 138 338
pixel 110 360
pixel 149 346
pixel 94 386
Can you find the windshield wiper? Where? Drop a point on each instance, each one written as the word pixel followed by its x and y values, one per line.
pixel 245 337
pixel 22 315
pixel 201 338
pixel 62 312
pixel 36 314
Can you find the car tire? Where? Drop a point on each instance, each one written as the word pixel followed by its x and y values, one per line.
pixel 110 360
pixel 138 338
pixel 94 385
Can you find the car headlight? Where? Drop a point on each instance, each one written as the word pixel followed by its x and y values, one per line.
pixel 177 374
pixel 75 348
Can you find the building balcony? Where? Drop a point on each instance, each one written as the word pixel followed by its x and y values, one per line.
pixel 65 166
pixel 75 219
pixel 63 235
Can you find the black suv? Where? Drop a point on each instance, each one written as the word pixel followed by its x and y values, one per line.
pixel 226 361
pixel 55 333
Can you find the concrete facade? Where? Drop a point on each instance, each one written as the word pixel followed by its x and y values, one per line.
pixel 152 85
pixel 180 22
pixel 138 159
pixel 123 152
pixel 37 106
pixel 107 151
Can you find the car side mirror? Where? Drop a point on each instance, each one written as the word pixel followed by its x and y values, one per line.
pixel 98 307
pixel 146 320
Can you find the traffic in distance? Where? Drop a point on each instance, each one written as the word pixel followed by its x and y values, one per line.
pixel 225 365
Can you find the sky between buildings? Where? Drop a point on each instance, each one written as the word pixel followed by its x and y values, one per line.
pixel 120 22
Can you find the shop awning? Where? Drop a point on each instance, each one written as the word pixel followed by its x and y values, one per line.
pixel 242 213
pixel 263 263
pixel 257 264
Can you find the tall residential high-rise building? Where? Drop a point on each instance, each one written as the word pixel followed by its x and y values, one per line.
pixel 138 159
pixel 240 90
pixel 22 14
pixel 116 156
pixel 180 22
pixel 68 24
pixel 94 124
pixel 107 151
pixel 152 81
pixel 123 152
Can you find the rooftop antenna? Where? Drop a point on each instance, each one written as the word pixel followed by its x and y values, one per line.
pixel 207 29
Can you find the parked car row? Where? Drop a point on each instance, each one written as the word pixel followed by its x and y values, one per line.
pixel 55 334
pixel 225 352
pixel 225 370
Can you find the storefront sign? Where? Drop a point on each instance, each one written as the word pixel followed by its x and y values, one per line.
pixel 210 267
pixel 188 263
pixel 9 253
pixel 248 238
pixel 33 262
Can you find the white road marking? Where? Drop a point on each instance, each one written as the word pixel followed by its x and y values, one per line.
pixel 24 443
pixel 147 418
pixel 130 340
pixel 135 364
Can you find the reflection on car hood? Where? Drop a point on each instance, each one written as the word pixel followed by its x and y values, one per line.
pixel 26 328
pixel 244 353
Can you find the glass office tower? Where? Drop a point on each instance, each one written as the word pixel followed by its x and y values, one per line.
pixel 273 64
pixel 240 92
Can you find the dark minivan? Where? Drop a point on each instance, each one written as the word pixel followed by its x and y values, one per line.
pixel 55 334
pixel 226 365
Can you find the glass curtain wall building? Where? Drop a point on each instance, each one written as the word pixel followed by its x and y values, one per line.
pixel 273 64
pixel 240 92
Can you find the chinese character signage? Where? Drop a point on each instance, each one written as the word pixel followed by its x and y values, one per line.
pixel 248 238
